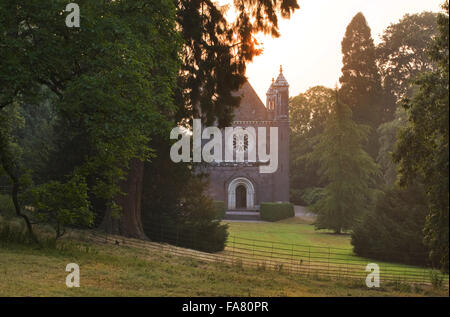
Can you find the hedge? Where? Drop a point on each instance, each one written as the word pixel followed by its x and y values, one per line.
pixel 219 207
pixel 276 211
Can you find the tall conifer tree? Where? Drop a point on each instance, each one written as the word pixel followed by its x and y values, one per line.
pixel 346 167
pixel 360 80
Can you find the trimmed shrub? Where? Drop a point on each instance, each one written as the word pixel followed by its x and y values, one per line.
pixel 276 211
pixel 219 207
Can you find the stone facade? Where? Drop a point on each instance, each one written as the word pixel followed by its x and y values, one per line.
pixel 240 184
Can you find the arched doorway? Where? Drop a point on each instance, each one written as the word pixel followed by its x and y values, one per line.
pixel 241 197
pixel 241 194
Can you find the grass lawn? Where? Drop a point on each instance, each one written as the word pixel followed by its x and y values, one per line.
pixel 292 231
pixel 325 247
pixel 107 270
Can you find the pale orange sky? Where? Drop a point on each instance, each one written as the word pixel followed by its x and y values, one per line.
pixel 310 44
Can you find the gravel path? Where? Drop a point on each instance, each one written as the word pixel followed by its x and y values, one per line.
pixel 301 211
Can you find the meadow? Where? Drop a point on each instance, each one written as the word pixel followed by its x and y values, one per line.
pixel 128 270
pixel 108 270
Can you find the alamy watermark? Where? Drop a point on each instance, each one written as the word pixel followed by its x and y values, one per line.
pixel 241 145
pixel 373 278
pixel 73 18
pixel 73 278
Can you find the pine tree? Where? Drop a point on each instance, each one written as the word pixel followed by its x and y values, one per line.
pixel 347 169
pixel 360 80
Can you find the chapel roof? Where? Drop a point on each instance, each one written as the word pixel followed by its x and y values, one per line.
pixel 251 107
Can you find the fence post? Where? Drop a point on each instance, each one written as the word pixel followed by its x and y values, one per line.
pixel 309 261
pixel 348 273
pixel 329 253
pixel 271 253
pixel 292 257
pixel 424 280
pixel 232 254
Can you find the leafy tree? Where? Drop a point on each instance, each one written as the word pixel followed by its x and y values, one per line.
pixel 360 80
pixel 113 79
pixel 392 231
pixel 308 113
pixel 347 169
pixel 422 149
pixel 402 55
pixel 62 204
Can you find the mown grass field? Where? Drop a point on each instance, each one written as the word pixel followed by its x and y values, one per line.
pixel 296 237
pixel 294 230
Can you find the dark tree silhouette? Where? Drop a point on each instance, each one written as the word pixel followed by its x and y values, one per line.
pixel 360 80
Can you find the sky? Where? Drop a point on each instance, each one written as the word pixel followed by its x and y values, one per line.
pixel 309 47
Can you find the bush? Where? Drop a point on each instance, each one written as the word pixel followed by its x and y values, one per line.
pixel 207 236
pixel 436 279
pixel 63 204
pixel 192 223
pixel 312 195
pixel 6 206
pixel 219 207
pixel 306 196
pixel 276 211
pixel 296 196
pixel 13 232
pixel 392 231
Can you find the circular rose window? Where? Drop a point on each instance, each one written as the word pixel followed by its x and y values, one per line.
pixel 240 142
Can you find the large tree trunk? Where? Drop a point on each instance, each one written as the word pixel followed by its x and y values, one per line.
pixel 130 223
